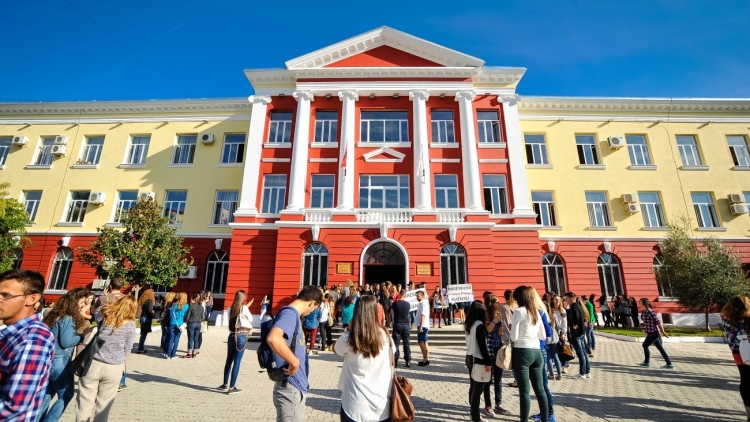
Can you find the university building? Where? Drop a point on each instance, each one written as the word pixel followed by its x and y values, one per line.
pixel 386 157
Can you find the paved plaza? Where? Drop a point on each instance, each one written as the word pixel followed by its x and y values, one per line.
pixel 702 388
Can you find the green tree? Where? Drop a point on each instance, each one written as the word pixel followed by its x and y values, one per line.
pixel 145 251
pixel 701 273
pixel 13 220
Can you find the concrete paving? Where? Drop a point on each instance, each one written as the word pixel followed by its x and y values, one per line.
pixel 703 387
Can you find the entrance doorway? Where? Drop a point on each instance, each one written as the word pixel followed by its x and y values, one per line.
pixel 382 262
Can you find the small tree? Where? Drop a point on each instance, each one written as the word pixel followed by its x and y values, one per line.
pixel 13 220
pixel 146 251
pixel 702 274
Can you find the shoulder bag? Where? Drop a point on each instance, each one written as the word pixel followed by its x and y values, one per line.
pixel 478 373
pixel 402 409
pixel 82 362
pixel 565 352
pixel 503 358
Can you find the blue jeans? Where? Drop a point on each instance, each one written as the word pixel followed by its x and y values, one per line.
pixel 164 337
pixel 124 374
pixel 194 334
pixel 412 316
pixel 234 357
pixel 141 342
pixel 208 312
pixel 62 384
pixel 173 339
pixel 553 358
pixel 579 345
pixel 653 338
pixel 497 380
pixel 590 337
pixel 401 332
pixel 545 380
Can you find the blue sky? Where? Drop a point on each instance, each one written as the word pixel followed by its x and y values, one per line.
pixel 198 49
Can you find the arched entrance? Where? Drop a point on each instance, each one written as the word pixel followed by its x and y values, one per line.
pixel 384 261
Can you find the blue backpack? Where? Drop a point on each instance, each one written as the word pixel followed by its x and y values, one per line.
pixel 267 359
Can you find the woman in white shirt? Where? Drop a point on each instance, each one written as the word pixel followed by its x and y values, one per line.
pixel 476 353
pixel 525 333
pixel 326 339
pixel 366 376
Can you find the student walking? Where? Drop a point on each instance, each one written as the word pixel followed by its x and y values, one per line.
pixel 193 319
pixel 365 380
pixel 526 332
pixel 176 318
pixel 736 316
pixel 402 327
pixel 422 318
pixel 146 303
pixel 652 326
pixel 576 321
pixel 476 353
pixel 236 341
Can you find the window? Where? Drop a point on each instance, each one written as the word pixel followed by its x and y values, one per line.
pixel 79 201
pixel 662 277
pixel 651 209
pixel 44 158
pixel 184 151
pixel 274 193
pixel 384 191
pixel 737 146
pixel 452 264
pixel 281 127
pixel 384 126
pixel 442 126
pixel 31 200
pixel 61 266
pixel 489 126
pixel 747 198
pixel 638 150
pixel 226 205
pixel 93 150
pixel 610 277
pixel 321 195
pixel 688 151
pixel 536 149
pixel 126 199
pixel 446 191
pixel 234 148
pixel 598 208
pixel 174 205
pixel 326 126
pixel 17 258
pixel 705 210
pixel 5 144
pixel 495 193
pixel 138 150
pixel 316 265
pixel 587 151
pixel 554 273
pixel 217 269
pixel 544 207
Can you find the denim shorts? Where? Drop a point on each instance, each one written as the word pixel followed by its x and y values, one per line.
pixel 422 335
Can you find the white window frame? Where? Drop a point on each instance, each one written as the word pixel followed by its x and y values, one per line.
pixel 652 211
pixel 553 267
pixel 544 209
pixel 598 212
pixel 315 257
pixel 489 129
pixel 326 130
pixel 123 205
pixel 607 271
pixel 184 149
pixel 280 131
pixel 274 197
pixel 587 150
pixel 443 130
pixel 34 203
pixel 498 196
pixel 61 266
pixel 402 185
pixel 45 157
pixel 174 205
pixel 638 150
pixel 689 153
pixel 740 153
pixel 90 150
pixel 323 192
pixel 705 211
pixel 664 291
pixel 536 152
pixel 5 144
pixel 217 263
pixel 77 204
pixel 367 124
pixel 137 153
pixel 221 205
pixel 453 265
pixel 17 258
pixel 447 193
pixel 233 148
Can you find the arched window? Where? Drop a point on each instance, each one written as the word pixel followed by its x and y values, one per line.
pixel 610 275
pixel 453 264
pixel 61 266
pixel 554 273
pixel 316 265
pixel 662 278
pixel 217 268
pixel 17 258
pixel 385 253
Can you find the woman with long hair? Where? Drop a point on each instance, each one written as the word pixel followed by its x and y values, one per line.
pixel 347 311
pixel 495 333
pixel 555 316
pixel 98 388
pixel 69 324
pixel 526 331
pixel 326 337
pixel 164 322
pixel 736 318
pixel 561 316
pixel 476 353
pixel 236 342
pixel 634 312
pixel 177 313
pixel 146 303
pixel 437 306
pixel 551 337
pixel 652 326
pixel 193 319
pixel 208 299
pixel 365 380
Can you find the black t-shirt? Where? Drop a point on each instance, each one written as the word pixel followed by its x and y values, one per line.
pixel 400 312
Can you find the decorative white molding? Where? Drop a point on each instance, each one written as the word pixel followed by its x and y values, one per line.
pixel 649 105
pixel 349 94
pixel 259 99
pixel 445 160
pixel 695 168
pixel 277 145
pixel 421 94
pixel 452 232
pixel 218 242
pixel 551 245
pixel 644 167
pixel 469 156
pixel 324 145
pixel 275 160
pixel 492 145
pixel 607 247
pixel 307 95
pixel 468 94
pixel 384 230
pixel 370 156
pixel 443 144
pixel 324 160
pixel 315 232
pixel 493 161
pixel 65 241
pixel 126 108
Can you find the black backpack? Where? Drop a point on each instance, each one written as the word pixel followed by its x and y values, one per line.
pixel 267 359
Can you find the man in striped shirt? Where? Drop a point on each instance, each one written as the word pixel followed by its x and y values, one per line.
pixel 26 347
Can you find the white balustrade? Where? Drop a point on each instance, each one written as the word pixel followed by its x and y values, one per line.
pixel 451 216
pixel 384 216
pixel 318 216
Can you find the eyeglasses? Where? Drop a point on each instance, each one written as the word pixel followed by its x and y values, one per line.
pixel 6 296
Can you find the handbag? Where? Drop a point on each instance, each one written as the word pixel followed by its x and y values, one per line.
pixel 744 348
pixel 479 374
pixel 204 326
pixel 243 322
pixel 565 352
pixel 503 358
pixel 402 409
pixel 82 362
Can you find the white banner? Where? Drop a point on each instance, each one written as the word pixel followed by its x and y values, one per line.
pixel 458 293
pixel 411 297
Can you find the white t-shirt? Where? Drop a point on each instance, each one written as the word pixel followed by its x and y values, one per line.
pixel 423 308
pixel 524 333
pixel 365 384
pixel 324 309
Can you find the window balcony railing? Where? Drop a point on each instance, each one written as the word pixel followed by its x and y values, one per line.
pixel 318 216
pixel 369 216
pixel 450 216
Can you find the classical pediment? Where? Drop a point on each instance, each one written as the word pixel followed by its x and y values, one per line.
pixel 384 155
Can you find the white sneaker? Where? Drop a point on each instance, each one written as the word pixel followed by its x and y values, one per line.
pixel 579 377
pixel 588 376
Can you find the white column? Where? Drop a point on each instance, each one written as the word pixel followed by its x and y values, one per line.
pixel 253 151
pixel 298 173
pixel 422 194
pixel 517 159
pixel 469 158
pixel 346 155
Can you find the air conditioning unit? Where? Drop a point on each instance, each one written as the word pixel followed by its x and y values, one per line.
pixel 59 150
pixel 616 142
pixel 738 209
pixel 99 284
pixel 61 140
pixel 736 198
pixel 145 196
pixel 632 208
pixel 192 272
pixel 21 141
pixel 97 198
pixel 207 138
pixel 628 198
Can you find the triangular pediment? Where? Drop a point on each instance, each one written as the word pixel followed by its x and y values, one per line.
pixel 384 47
pixel 384 155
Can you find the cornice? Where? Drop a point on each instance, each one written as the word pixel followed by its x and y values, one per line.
pixel 504 75
pixel 634 105
pixel 90 108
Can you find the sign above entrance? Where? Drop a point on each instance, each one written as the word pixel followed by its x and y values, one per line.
pixel 458 293
pixel 424 269
pixel 343 268
pixel 411 297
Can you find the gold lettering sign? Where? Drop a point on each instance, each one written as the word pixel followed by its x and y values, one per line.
pixel 424 269
pixel 343 268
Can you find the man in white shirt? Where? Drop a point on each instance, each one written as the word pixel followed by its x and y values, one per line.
pixel 423 316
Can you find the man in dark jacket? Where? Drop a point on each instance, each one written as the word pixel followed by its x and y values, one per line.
pixel 576 321
pixel 401 326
